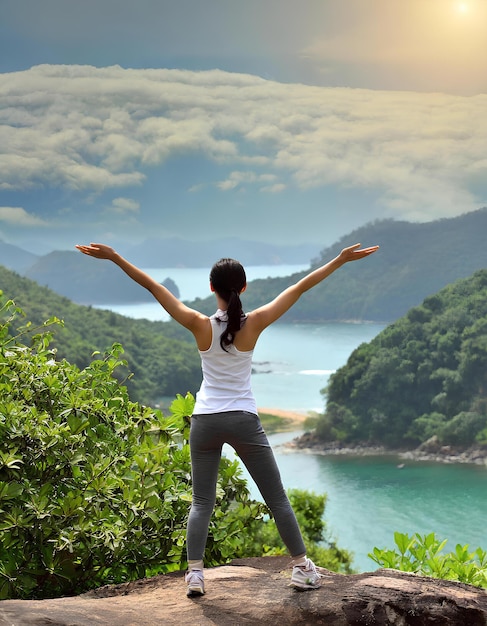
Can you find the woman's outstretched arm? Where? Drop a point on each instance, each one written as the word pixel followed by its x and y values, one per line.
pixel 187 317
pixel 269 313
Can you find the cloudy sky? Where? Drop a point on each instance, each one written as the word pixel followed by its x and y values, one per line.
pixel 273 120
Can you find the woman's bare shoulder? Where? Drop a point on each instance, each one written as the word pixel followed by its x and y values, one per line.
pixel 247 336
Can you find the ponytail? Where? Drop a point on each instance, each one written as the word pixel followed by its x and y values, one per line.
pixel 228 279
pixel 236 319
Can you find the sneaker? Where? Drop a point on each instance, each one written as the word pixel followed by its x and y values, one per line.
pixel 305 576
pixel 195 581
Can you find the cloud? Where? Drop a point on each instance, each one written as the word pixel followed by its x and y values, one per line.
pixel 18 216
pixel 125 205
pixel 240 178
pixel 97 129
pixel 277 188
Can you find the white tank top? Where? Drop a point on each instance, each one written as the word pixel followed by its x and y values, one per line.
pixel 226 375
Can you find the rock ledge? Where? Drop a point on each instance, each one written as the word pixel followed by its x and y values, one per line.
pixel 255 591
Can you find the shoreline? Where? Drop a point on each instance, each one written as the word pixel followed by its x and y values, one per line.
pixel 430 451
pixel 444 454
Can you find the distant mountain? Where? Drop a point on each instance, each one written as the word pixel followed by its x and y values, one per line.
pixel 15 258
pixel 86 282
pixel 176 252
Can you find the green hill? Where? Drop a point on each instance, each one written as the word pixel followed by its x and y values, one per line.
pixel 414 261
pixel 163 360
pixel 424 375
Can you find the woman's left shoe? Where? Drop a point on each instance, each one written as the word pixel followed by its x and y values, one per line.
pixel 196 582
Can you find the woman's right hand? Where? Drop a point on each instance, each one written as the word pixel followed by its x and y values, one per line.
pixel 353 253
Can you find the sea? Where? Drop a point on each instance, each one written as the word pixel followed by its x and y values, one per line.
pixel 368 497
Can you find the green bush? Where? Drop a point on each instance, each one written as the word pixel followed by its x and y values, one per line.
pixel 463 429
pixel 422 554
pixel 95 488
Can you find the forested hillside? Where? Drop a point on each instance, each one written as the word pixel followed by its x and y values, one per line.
pixel 162 365
pixel 414 261
pixel 424 375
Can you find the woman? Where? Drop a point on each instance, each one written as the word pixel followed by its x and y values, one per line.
pixel 225 409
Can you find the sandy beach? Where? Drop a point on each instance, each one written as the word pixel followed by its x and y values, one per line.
pixel 295 416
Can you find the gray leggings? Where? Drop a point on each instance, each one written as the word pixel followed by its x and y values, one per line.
pixel 244 432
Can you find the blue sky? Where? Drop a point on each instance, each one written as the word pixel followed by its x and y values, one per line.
pixel 273 120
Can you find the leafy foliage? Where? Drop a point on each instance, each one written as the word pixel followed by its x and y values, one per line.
pixel 162 360
pixel 422 554
pixel 95 488
pixel 424 375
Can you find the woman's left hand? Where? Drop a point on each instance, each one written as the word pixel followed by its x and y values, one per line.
pixel 97 250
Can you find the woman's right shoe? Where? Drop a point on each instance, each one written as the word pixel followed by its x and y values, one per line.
pixel 196 582
pixel 305 576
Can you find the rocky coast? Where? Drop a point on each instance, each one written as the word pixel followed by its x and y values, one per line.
pixel 431 450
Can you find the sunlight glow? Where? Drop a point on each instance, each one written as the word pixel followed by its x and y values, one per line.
pixel 463 7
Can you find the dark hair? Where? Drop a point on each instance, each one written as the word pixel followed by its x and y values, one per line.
pixel 228 279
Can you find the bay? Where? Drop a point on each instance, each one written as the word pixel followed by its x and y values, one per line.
pixel 293 362
pixel 369 498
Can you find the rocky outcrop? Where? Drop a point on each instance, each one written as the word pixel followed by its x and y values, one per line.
pixel 433 450
pixel 256 591
pixel 430 450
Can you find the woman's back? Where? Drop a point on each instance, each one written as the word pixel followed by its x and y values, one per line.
pixel 227 372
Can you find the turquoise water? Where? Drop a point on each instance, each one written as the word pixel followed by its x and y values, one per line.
pixel 371 497
pixel 293 362
pixel 368 497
